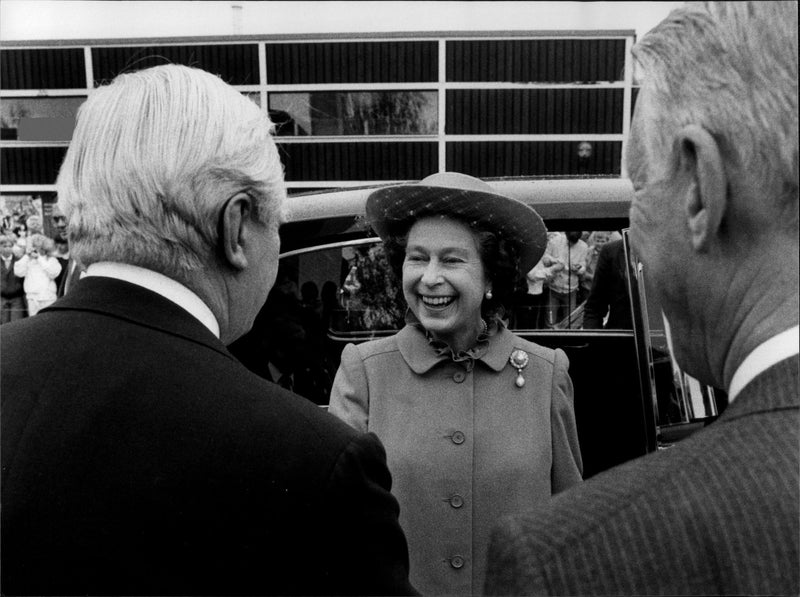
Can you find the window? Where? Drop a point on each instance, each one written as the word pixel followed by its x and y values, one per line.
pixel 363 110
pixel 47 68
pixel 323 113
pixel 39 118
pixel 363 62
pixel 536 60
pixel 236 64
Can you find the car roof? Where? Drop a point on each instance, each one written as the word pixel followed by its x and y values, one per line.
pixel 320 219
pixel 574 198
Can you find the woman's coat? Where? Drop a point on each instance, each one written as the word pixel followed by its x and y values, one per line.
pixel 465 445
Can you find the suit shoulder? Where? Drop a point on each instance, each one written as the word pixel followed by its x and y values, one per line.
pixel 691 497
pixel 695 474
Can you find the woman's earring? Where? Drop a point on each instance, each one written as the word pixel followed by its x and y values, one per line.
pixel 489 295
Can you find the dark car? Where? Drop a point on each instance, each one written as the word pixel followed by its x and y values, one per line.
pixel 334 286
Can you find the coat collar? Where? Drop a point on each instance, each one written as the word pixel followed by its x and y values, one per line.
pixel 421 357
pixel 134 303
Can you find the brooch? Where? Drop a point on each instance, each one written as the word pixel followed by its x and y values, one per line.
pixel 519 360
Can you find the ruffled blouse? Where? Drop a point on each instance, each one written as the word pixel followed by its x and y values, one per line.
pixel 467 357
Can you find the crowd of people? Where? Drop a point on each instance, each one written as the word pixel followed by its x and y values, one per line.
pixel 554 293
pixel 141 457
pixel 34 265
pixel 288 343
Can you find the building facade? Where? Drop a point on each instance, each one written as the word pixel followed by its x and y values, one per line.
pixel 355 110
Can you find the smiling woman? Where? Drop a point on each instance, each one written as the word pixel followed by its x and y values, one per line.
pixel 476 421
pixel 444 281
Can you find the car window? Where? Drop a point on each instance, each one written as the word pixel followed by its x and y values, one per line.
pixel 364 296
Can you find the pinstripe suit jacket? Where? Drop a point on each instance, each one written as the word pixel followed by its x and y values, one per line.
pixel 716 514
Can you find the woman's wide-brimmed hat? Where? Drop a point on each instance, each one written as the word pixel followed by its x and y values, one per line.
pixel 392 210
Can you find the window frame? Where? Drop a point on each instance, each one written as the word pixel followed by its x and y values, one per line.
pixel 441 86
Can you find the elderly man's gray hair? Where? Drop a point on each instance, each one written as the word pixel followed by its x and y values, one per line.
pixel 154 157
pixel 736 75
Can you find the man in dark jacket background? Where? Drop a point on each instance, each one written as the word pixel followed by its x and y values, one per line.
pixel 12 293
pixel 609 294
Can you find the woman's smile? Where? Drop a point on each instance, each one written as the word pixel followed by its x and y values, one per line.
pixel 437 303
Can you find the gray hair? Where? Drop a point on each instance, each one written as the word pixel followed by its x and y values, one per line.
pixel 154 157
pixel 732 68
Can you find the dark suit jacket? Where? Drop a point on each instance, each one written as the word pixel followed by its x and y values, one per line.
pixel 609 293
pixel 10 284
pixel 139 457
pixel 715 514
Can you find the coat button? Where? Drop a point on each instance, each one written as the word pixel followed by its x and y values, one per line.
pixel 459 376
pixel 457 562
pixel 457 437
pixel 456 501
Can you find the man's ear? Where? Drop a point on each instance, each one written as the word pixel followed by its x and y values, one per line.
pixel 707 196
pixel 235 218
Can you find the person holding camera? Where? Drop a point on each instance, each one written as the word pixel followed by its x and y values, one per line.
pixel 40 270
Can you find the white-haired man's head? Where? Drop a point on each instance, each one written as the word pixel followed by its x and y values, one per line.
pixel 732 68
pixel 713 157
pixel 153 158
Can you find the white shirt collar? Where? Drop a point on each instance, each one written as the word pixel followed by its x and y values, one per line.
pixel 161 284
pixel 774 350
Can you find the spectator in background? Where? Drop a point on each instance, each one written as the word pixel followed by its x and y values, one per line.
pixel 12 293
pixel 713 156
pixel 350 288
pixel 311 312
pixel 330 301
pixel 284 345
pixel 585 151
pixel 71 271
pixel 568 251
pixel 35 225
pixel 309 297
pixel 62 246
pixel 59 224
pixel 39 269
pixel 21 234
pixel 595 242
pixel 608 304
pixel 532 313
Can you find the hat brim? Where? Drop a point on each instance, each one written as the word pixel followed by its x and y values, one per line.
pixel 392 210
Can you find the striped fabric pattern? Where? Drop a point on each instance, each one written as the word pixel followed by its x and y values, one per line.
pixel 717 514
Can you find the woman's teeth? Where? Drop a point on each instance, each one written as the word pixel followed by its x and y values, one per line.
pixel 437 301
